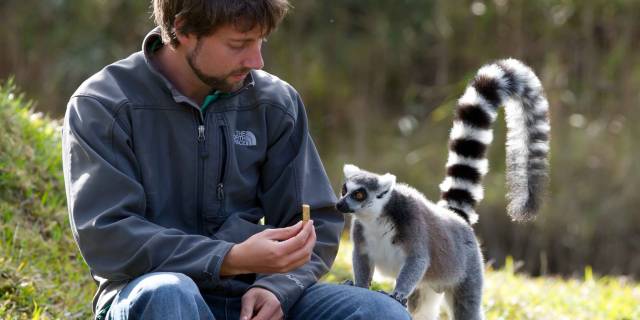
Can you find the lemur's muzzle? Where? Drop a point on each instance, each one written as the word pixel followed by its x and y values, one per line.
pixel 343 207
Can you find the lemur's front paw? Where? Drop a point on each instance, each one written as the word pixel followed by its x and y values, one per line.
pixel 396 296
pixel 400 298
pixel 348 283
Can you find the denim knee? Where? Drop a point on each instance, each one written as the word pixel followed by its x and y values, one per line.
pixel 165 284
pixel 380 306
pixel 160 295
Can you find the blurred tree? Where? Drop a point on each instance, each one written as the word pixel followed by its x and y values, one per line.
pixel 380 78
pixel 51 46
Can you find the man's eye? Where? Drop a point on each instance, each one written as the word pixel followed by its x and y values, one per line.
pixel 344 190
pixel 237 46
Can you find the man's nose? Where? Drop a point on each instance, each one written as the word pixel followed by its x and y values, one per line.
pixel 254 59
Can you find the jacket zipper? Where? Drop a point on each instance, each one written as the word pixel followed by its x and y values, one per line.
pixel 223 162
pixel 202 155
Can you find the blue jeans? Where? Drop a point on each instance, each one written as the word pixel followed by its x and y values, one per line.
pixel 166 295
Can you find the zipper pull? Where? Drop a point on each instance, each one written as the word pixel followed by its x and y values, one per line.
pixel 220 191
pixel 201 133
pixel 202 147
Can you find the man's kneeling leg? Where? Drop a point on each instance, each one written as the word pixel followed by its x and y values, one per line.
pixel 332 302
pixel 160 295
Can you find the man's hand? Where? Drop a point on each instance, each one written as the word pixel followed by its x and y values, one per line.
pixel 260 304
pixel 272 251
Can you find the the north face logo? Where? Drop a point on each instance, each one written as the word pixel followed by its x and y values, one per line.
pixel 244 138
pixel 294 279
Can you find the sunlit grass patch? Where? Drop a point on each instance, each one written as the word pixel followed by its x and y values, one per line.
pixel 512 296
pixel 42 275
pixel 515 296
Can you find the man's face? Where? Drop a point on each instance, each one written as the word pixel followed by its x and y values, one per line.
pixel 223 60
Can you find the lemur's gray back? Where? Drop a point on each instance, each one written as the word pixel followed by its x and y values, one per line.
pixel 513 85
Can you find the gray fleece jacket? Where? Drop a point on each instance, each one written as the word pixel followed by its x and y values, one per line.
pixel 153 184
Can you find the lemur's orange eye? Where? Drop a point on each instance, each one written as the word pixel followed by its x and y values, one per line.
pixel 359 195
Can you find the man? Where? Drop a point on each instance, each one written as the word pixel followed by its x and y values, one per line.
pixel 171 158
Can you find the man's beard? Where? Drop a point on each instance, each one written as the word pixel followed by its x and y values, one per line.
pixel 218 83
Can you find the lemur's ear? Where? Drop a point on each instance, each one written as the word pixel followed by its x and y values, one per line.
pixel 350 170
pixel 387 181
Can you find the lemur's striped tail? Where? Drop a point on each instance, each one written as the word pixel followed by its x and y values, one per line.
pixel 514 85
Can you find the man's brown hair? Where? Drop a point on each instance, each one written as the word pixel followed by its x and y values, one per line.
pixel 204 17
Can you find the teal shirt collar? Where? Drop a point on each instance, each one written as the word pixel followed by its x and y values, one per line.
pixel 211 98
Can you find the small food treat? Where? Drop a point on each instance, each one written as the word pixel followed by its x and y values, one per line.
pixel 306 212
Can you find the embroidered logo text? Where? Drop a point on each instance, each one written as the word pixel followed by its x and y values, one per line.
pixel 244 138
pixel 294 279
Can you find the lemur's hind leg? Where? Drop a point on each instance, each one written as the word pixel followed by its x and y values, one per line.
pixel 424 303
pixel 465 300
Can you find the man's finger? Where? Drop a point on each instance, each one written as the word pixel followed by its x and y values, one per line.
pixel 304 252
pixel 248 303
pixel 303 256
pixel 299 240
pixel 267 311
pixel 284 233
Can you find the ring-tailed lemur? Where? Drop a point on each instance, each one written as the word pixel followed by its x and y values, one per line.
pixel 430 249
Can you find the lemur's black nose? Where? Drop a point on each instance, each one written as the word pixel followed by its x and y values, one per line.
pixel 343 207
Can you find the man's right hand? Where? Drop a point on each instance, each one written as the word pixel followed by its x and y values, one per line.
pixel 272 251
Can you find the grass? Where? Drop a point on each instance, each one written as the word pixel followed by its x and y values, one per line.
pixel 512 296
pixel 43 276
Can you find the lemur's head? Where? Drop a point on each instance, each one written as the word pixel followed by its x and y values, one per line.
pixel 364 193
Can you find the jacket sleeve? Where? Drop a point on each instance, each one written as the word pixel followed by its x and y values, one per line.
pixel 292 175
pixel 107 205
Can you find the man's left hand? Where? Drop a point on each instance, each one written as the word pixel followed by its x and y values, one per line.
pixel 260 304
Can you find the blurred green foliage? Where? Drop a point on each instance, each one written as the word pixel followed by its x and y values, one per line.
pixel 379 79
pixel 41 270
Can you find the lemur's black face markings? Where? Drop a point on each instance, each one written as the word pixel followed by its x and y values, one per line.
pixel 369 183
pixel 382 194
pixel 356 198
pixel 343 205
pixel 359 195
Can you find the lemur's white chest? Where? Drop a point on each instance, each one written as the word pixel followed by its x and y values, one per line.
pixel 386 256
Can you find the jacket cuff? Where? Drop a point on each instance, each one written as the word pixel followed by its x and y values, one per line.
pixel 286 287
pixel 212 269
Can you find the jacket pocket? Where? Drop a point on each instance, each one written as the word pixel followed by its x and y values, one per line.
pixel 224 155
pixel 216 209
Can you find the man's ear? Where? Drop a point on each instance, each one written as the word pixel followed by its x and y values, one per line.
pixel 350 170
pixel 177 26
pixel 387 182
